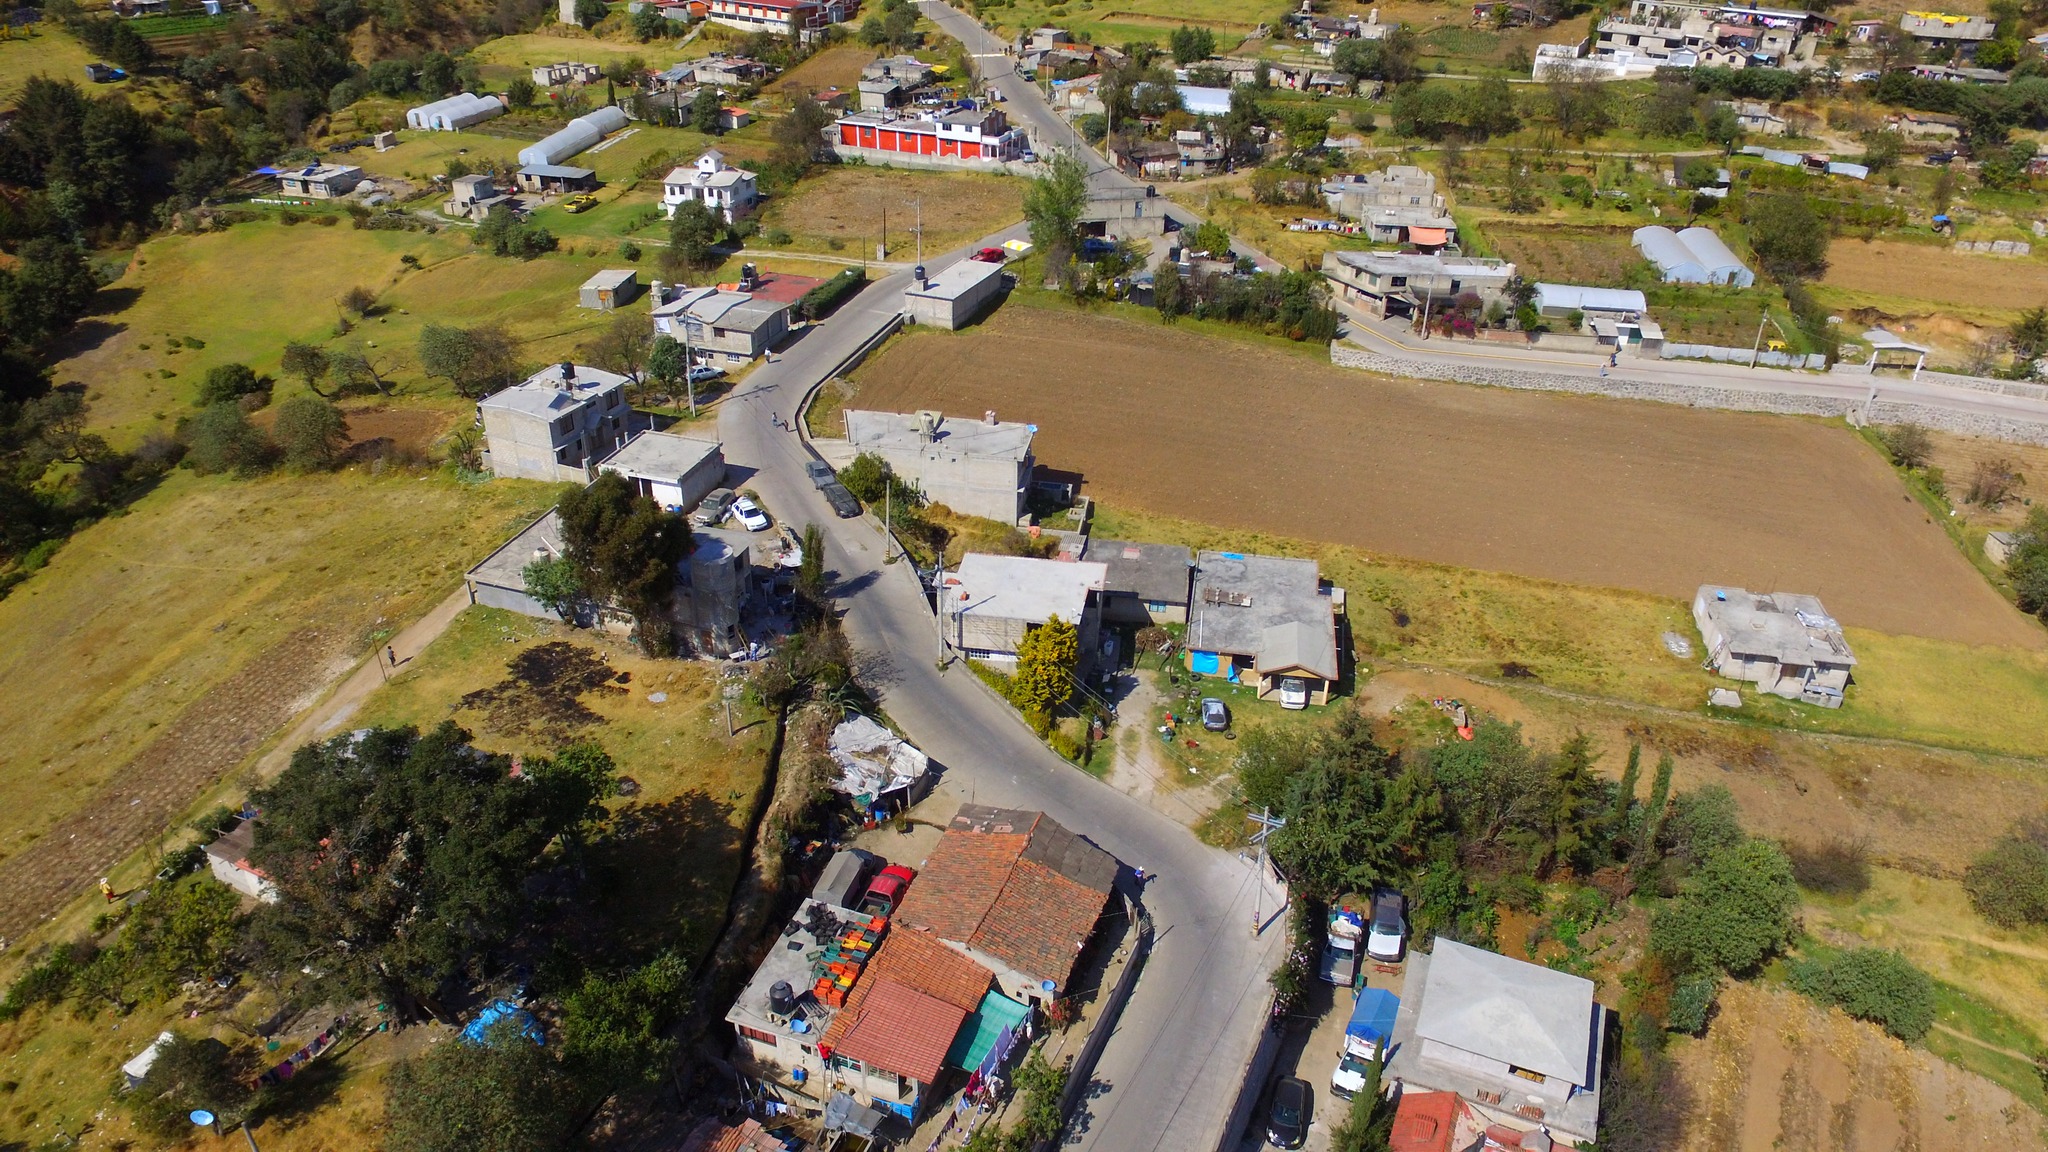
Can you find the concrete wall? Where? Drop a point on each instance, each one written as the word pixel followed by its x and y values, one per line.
pixel 509 599
pixel 955 313
pixel 888 159
pixel 2016 429
pixel 523 446
pixel 985 486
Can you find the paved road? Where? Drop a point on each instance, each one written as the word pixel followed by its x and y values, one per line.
pixel 1172 1070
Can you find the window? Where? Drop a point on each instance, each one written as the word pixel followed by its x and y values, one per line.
pixel 1399 282
pixel 755 1034
pixel 1526 1074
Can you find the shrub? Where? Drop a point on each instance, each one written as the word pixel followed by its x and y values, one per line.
pixel 1909 445
pixel 1874 984
pixel 1734 912
pixel 228 382
pixel 820 301
pixel 221 439
pixel 1692 1002
pixel 2008 884
pixel 312 433
pixel 1840 867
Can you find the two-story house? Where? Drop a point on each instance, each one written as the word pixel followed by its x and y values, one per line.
pixel 557 424
pixel 1387 284
pixel 730 192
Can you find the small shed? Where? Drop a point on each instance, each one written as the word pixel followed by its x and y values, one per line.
pixel 228 859
pixel 1888 351
pixel 134 1070
pixel 609 289
pixel 954 297
pixel 556 179
pixel 1998 547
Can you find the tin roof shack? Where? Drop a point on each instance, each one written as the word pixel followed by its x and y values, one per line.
pixel 673 471
pixel 556 179
pixel 1017 892
pixel 1785 643
pixel 992 602
pixel 1519 1041
pixel 1268 621
pixel 609 289
pixel 137 1068
pixel 1143 583
pixel 975 468
pixel 228 859
pixel 556 424
pixel 955 296
pixel 1404 283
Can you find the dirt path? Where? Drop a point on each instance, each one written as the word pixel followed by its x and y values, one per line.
pixel 2022 1057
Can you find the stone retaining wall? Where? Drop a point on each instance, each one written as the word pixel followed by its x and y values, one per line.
pixel 2023 431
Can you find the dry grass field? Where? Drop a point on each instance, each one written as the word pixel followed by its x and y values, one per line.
pixel 833 68
pixel 1647 497
pixel 1958 457
pixel 1564 253
pixel 1936 279
pixel 42 51
pixel 843 209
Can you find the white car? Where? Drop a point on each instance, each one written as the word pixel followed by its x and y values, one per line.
pixel 750 515
pixel 1386 940
pixel 1293 693
pixel 704 372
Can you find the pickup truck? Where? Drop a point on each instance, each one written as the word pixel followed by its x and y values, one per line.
pixel 1339 963
pixel 1368 1033
pixel 886 892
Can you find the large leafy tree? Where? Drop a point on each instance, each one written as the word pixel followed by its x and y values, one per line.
pixel 1053 206
pixel 476 360
pixel 1789 237
pixel 693 234
pixel 401 857
pixel 1734 912
pixel 1351 826
pixel 506 1094
pixel 311 432
pixel 625 548
pixel 1046 659
pixel 614 1026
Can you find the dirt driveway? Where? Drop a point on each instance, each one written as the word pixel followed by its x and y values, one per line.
pixel 1651 497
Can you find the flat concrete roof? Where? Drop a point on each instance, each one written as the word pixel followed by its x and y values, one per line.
pixel 1789 627
pixel 1023 587
pixel 956 280
pixel 899 431
pixel 504 568
pixel 548 394
pixel 789 961
pixel 611 278
pixel 659 456
pixel 1243 601
pixel 1153 572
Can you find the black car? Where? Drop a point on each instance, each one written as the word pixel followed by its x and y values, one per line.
pixel 819 472
pixel 841 500
pixel 1287 1120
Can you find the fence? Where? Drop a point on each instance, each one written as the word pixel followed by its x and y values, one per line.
pixel 1083 1068
pixel 1814 360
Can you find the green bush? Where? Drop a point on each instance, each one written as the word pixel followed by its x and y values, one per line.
pixel 221 439
pixel 1874 984
pixel 230 382
pixel 47 981
pixel 1691 1003
pixel 2008 884
pixel 1734 912
pixel 820 301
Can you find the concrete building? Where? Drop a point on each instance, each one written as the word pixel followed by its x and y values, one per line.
pixel 1266 621
pixel 1385 284
pixel 888 82
pixel 1398 205
pixel 1675 34
pixel 955 296
pixel 1142 583
pixel 976 468
pixel 1617 316
pixel 1520 1043
pixel 1139 214
pixel 990 603
pixel 1015 891
pixel 1691 256
pixel 472 197
pixel 775 17
pixel 228 859
pixel 608 289
pixel 970 137
pixel 734 326
pixel 728 191
pixel 557 424
pixel 675 472
pixel 1785 643
pixel 712 590
pixel 320 181
pixel 1946 35
pixel 566 72
pixel 556 179
pixel 726 71
pixel 498 581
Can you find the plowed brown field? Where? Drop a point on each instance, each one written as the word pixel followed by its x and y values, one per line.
pixel 1645 496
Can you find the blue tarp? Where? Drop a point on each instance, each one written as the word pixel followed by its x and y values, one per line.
pixel 1372 1018
pixel 498 1010
pixel 1203 662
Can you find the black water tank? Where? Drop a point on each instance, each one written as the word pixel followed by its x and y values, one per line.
pixel 917 274
pixel 781 1000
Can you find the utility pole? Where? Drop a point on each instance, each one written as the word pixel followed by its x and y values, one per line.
pixel 920 229
pixel 882 249
pixel 939 602
pixel 1757 347
pixel 1267 823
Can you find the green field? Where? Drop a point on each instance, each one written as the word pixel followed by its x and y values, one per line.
pixel 43 50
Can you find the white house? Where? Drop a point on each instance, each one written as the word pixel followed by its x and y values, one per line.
pixel 1785 643
pixel 729 191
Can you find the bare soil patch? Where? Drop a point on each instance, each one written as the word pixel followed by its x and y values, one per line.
pixel 1567 253
pixel 1924 272
pixel 1649 497
pixel 1777 1072
pixel 833 68
pixel 1958 458
pixel 850 205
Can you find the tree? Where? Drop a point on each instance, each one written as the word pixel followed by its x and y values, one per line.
pixel 873 32
pixel 626 548
pixel 590 13
pixel 693 232
pixel 2029 334
pixel 649 23
pixel 1170 294
pixel 799 131
pixel 391 77
pixel 221 439
pixel 1734 912
pixel 812 596
pixel 553 581
pixel 1352 824
pixel 354 371
pixel 1881 149
pixel 2008 882
pixel 1909 445
pixel 1488 109
pixel 190 1072
pixel 1581 104
pixel 475 360
pixel 900 27
pixel 519 93
pixel 1192 45
pixel 1046 659
pixel 1424 110
pixel 309 363
pixel 1875 984
pixel 1210 237
pixel 49 287
pixel 1495 788
pixel 1052 207
pixel 668 362
pixel 505 234
pixel 1668 111
pixel 1522 197
pixel 437 74
pixel 401 858
pixel 311 432
pixel 1621 818
pixel 1703 821
pixel 1573 813
pixel 506 1094
pixel 1790 238
pixel 704 110
pixel 622 346
pixel 228 383
pixel 615 1025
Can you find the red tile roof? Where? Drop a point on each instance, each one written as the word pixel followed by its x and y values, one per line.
pixel 960 882
pixel 895 1028
pixel 1424 1122
pixel 921 962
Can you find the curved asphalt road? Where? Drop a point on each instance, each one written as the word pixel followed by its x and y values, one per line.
pixel 1174 1065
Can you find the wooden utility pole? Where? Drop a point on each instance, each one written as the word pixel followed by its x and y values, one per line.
pixel 1267 823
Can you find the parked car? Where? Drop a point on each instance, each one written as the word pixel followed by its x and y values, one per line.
pixel 713 511
pixel 1864 78
pixel 750 515
pixel 886 892
pixel 1215 714
pixel 1349 1077
pixel 841 500
pixel 1094 248
pixel 583 203
pixel 819 472
pixel 703 372
pixel 1938 158
pixel 1293 692
pixel 1388 937
pixel 1287 1120
pixel 991 256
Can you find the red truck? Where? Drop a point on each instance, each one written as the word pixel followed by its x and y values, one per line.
pixel 991 256
pixel 885 894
